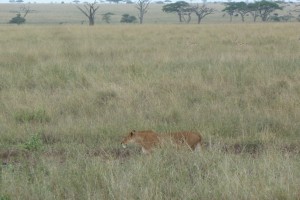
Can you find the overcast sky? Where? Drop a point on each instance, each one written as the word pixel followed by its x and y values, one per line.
pixel 47 1
pixel 69 1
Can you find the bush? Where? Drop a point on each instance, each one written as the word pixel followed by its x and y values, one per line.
pixel 17 20
pixel 106 17
pixel 33 143
pixel 4 197
pixel 126 18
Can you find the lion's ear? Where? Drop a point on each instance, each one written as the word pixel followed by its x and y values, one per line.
pixel 132 132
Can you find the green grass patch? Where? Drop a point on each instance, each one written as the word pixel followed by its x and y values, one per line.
pixel 35 116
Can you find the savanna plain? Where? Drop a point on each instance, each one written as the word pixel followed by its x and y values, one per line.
pixel 69 93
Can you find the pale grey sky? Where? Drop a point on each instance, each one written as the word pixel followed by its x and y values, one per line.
pixel 46 1
pixel 70 1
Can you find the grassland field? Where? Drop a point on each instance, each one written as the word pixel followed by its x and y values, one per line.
pixel 70 92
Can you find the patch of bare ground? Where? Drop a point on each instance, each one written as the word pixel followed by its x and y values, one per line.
pixel 291 149
pixel 13 155
pixel 256 148
pixel 111 153
pixel 253 149
pixel 49 138
pixel 59 155
pixel 18 157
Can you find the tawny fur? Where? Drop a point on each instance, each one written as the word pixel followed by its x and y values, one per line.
pixel 146 139
pixel 149 139
pixel 191 139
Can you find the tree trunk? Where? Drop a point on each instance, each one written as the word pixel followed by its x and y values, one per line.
pixel 199 19
pixel 254 15
pixel 92 21
pixel 189 18
pixel 263 18
pixel 243 18
pixel 141 17
pixel 180 17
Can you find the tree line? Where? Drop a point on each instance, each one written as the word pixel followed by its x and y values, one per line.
pixel 260 9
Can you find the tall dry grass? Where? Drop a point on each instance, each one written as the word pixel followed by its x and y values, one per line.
pixel 69 93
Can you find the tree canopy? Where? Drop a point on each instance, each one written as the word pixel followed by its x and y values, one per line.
pixel 262 9
pixel 230 9
pixel 126 18
pixel 177 7
pixel 17 20
pixel 202 11
pixel 106 17
pixel 265 8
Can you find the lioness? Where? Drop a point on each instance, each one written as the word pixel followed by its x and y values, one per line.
pixel 149 139
pixel 146 139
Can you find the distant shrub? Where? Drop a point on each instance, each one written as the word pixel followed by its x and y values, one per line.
pixel 284 18
pixel 104 97
pixel 107 17
pixel 39 116
pixel 4 197
pixel 17 20
pixel 275 18
pixel 49 138
pixel 126 18
pixel 34 143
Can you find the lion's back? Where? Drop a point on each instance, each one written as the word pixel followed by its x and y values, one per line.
pixel 193 139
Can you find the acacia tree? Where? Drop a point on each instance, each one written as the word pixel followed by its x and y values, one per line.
pixel 126 18
pixel 89 11
pixel 229 9
pixel 179 7
pixel 25 10
pixel 265 8
pixel 186 13
pixel 253 11
pixel 106 17
pixel 202 11
pixel 19 19
pixel 242 9
pixel 261 9
pixel 238 8
pixel 142 6
pixel 114 1
pixel 298 11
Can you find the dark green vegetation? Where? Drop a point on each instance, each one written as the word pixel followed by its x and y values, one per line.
pixel 17 20
pixel 126 18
